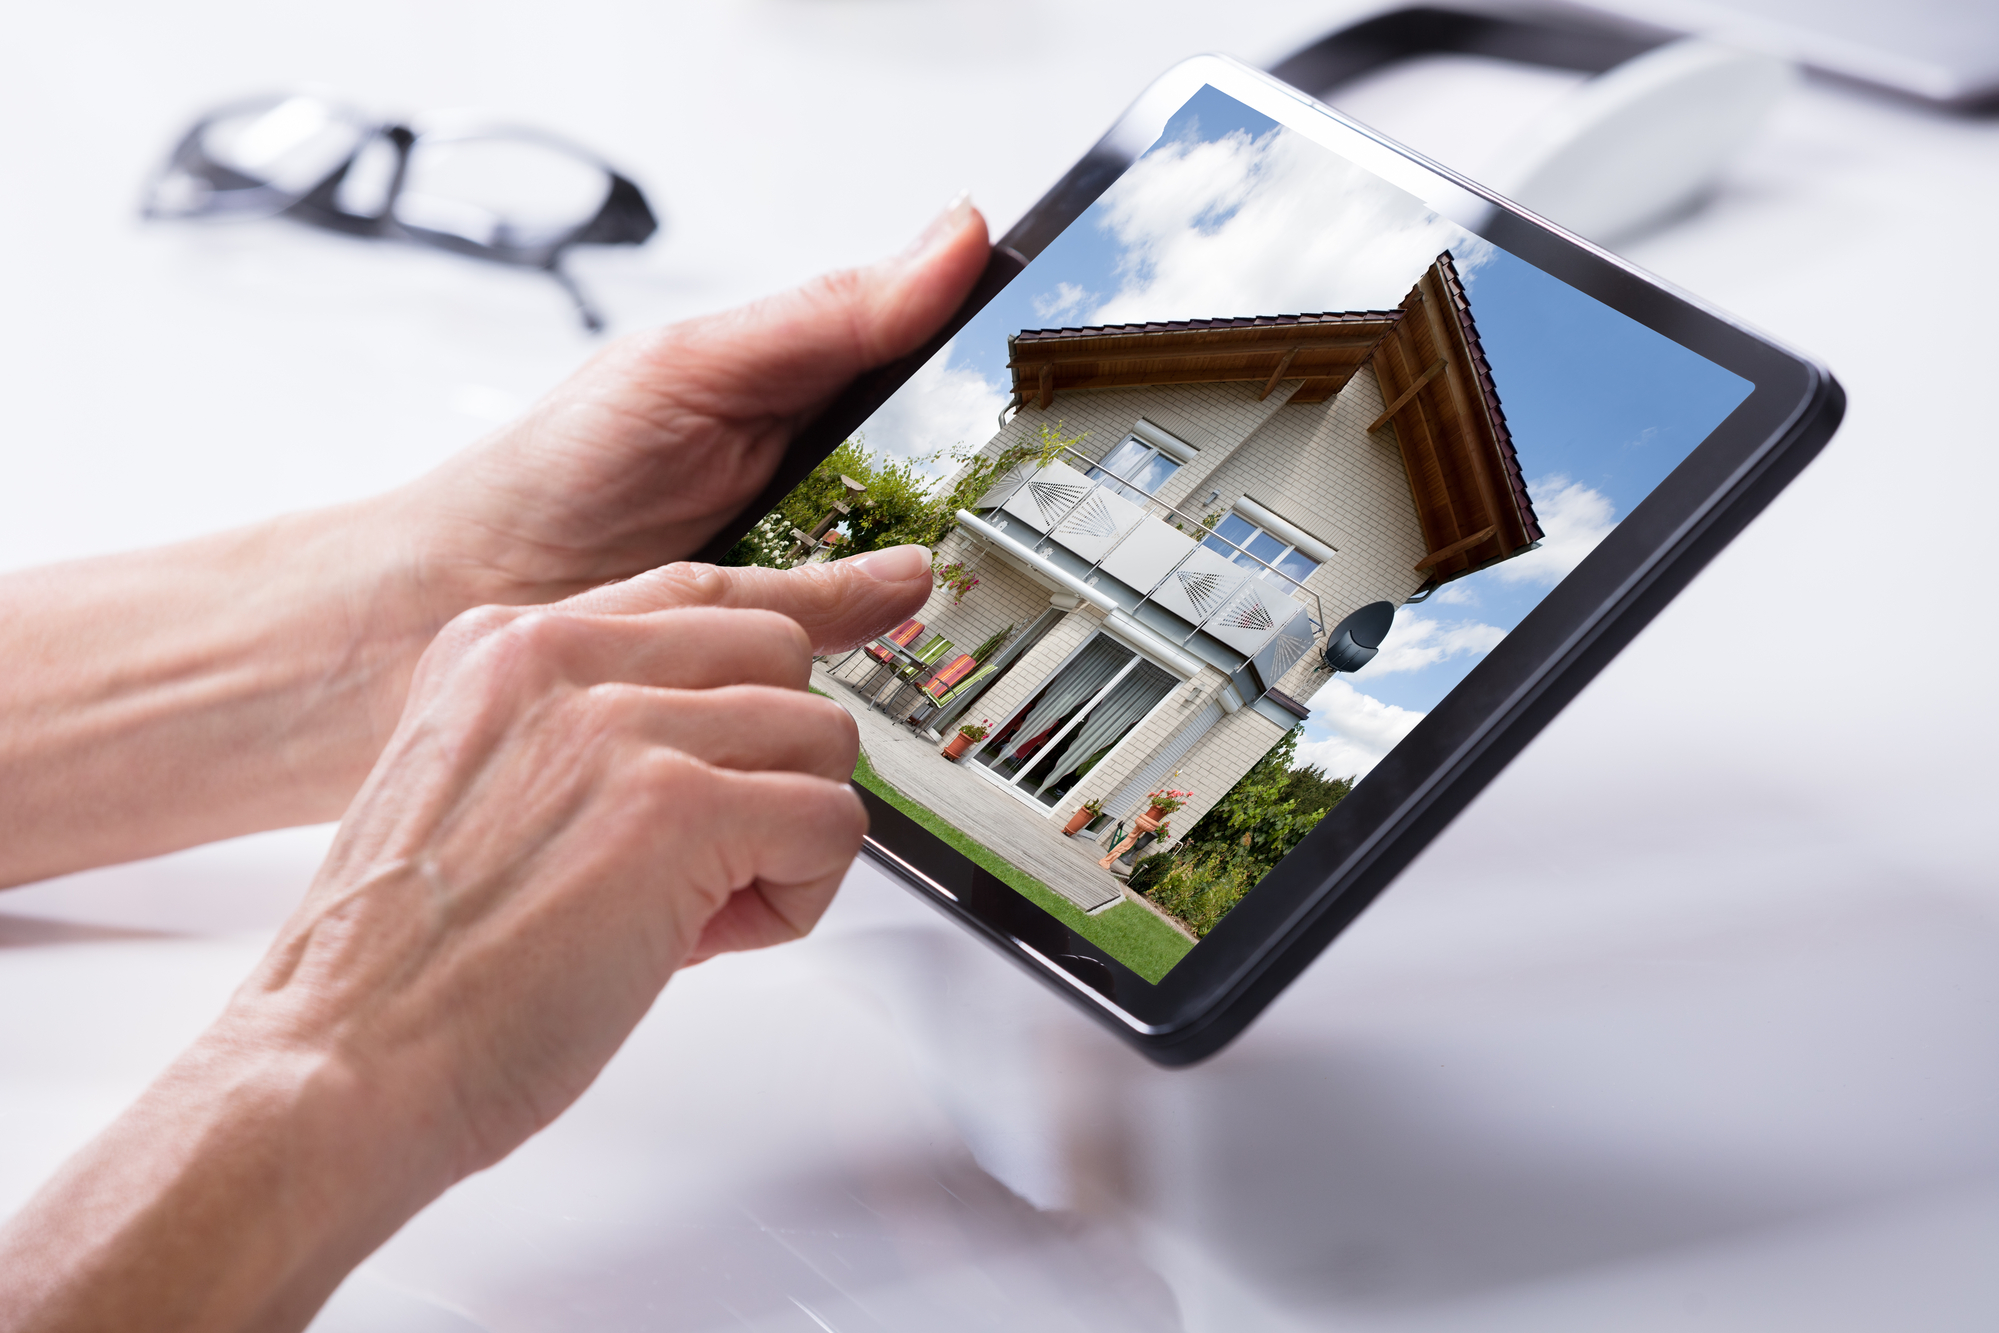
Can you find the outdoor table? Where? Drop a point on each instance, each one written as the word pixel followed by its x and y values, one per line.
pixel 917 668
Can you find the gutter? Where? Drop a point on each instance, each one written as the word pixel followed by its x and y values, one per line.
pixel 1125 627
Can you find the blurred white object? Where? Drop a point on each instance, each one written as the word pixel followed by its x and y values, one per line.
pixel 1636 146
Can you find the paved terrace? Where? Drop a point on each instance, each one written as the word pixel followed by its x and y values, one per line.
pixel 977 806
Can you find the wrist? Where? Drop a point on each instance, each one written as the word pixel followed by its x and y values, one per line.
pixel 236 1192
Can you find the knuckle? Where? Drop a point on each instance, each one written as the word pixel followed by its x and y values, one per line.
pixel 468 629
pixel 689 584
pixel 610 706
pixel 540 633
pixel 482 621
pixel 676 783
pixel 782 636
pixel 840 288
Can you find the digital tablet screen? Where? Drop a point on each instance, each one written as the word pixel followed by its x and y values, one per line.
pixel 1227 489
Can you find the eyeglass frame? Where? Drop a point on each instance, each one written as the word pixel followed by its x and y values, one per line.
pixel 624 217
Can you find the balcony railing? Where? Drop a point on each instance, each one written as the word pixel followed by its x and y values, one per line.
pixel 1166 556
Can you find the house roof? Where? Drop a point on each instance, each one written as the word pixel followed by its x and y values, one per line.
pixel 1323 350
pixel 1503 435
pixel 1442 404
pixel 1443 407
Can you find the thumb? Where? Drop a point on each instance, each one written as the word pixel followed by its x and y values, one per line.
pixel 838 603
pixel 788 354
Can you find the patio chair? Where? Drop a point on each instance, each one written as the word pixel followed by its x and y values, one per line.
pixel 885 661
pixel 937 702
pixel 919 676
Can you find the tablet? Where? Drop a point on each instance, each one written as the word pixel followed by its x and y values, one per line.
pixel 1282 485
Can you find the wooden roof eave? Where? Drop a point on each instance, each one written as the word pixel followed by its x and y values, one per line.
pixel 1465 496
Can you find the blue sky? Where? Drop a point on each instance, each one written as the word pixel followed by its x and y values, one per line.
pixel 1230 214
pixel 1600 407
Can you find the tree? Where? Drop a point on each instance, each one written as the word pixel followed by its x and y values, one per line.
pixel 901 505
pixel 1241 837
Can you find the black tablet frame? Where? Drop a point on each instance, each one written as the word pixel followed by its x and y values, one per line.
pixel 1364 842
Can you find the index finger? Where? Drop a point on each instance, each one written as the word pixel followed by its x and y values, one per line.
pixel 839 603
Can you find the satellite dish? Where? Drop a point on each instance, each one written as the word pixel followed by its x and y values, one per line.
pixel 1355 640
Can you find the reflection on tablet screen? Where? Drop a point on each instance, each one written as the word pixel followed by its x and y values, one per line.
pixel 1227 489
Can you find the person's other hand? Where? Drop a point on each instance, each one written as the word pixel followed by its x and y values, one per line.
pixel 642 455
pixel 578 800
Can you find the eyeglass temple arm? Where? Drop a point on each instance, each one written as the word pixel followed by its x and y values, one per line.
pixel 624 219
pixel 586 309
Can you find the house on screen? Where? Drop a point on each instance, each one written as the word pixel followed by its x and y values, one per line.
pixel 1239 487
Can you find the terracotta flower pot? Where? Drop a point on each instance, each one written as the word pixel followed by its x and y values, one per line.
pixel 1076 822
pixel 1155 814
pixel 957 747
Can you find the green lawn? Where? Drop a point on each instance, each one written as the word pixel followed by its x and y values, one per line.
pixel 1129 933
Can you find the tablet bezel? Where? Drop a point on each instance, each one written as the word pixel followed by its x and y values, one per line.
pixel 1359 847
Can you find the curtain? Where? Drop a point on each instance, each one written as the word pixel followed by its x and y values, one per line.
pixel 1070 690
pixel 1108 722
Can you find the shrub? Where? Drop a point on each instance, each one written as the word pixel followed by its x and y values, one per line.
pixel 1149 871
pixel 1201 892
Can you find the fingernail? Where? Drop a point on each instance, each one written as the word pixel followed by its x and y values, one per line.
pixel 944 225
pixel 897 564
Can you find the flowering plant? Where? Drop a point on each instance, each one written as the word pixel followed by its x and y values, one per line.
pixel 955 577
pixel 1095 806
pixel 973 731
pixel 1168 799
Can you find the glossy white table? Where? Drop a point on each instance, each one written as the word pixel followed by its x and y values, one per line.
pixel 1691 1022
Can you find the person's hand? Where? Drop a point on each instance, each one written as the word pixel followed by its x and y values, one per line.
pixel 248 680
pixel 578 800
pixel 642 456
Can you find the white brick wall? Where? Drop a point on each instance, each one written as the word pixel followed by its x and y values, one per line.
pixel 1229 750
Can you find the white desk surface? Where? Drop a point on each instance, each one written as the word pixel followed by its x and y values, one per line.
pixel 1692 1022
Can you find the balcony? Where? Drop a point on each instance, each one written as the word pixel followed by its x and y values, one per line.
pixel 1159 564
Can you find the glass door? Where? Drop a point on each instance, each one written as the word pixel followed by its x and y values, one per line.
pixel 1090 704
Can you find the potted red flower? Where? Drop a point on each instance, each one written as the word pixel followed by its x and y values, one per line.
pixel 1164 802
pixel 968 735
pixel 1089 811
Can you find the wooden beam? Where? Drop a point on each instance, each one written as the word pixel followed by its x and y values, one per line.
pixel 1469 403
pixel 1459 547
pixel 1046 397
pixel 1334 376
pixel 1420 454
pixel 1123 349
pixel 1314 389
pixel 1277 374
pixel 1403 399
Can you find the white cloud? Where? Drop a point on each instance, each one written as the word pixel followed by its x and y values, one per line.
pixel 1574 517
pixel 1273 225
pixel 1364 730
pixel 940 408
pixel 1457 593
pixel 1416 641
pixel 1064 300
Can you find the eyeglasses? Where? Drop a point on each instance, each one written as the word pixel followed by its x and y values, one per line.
pixel 494 192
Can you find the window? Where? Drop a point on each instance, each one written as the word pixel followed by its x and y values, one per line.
pixel 1077 717
pixel 1144 466
pixel 1293 566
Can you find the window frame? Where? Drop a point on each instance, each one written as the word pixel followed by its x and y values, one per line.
pixel 1256 530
